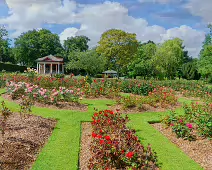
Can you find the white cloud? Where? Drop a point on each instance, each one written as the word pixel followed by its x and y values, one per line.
pixel 94 20
pixel 200 8
pixel 192 38
pixel 29 14
pixel 159 1
pixel 69 32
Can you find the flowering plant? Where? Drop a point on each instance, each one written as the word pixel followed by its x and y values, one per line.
pixel 114 146
pixel 47 96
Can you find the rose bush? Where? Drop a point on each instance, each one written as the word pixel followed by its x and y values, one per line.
pixel 114 146
pixel 48 96
pixel 197 120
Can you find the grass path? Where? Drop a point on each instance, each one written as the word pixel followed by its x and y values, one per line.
pixel 62 150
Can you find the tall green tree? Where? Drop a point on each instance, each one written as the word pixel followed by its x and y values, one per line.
pixel 4 45
pixel 169 57
pixel 35 44
pixel 205 62
pixel 89 61
pixel 142 64
pixel 118 47
pixel 78 43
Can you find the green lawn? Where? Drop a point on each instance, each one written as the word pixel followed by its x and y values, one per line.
pixel 62 150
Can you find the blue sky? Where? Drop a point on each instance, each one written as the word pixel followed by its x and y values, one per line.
pixel 156 20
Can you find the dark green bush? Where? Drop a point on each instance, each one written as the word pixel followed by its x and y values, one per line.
pixel 98 76
pixel 12 67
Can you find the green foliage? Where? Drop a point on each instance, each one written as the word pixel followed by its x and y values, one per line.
pixel 89 61
pixel 169 57
pixel 197 120
pixel 78 43
pixel 35 44
pixel 25 105
pixel 12 67
pixel 118 47
pixel 142 64
pixel 205 66
pixel 5 113
pixel 190 71
pixel 5 51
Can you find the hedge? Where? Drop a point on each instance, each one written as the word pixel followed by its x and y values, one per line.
pixel 12 67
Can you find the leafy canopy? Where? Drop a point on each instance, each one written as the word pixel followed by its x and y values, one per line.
pixel 118 47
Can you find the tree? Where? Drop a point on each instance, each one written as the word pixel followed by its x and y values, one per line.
pixel 4 45
pixel 35 44
pixel 169 57
pixel 118 47
pixel 89 61
pixel 190 70
pixel 205 62
pixel 78 43
pixel 142 63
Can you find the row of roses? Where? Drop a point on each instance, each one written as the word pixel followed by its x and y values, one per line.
pixel 196 121
pixel 34 92
pixel 114 146
pixel 159 97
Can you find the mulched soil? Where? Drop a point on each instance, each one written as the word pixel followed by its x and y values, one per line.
pixel 199 150
pixel 24 137
pixel 85 153
pixel 145 108
pixel 61 105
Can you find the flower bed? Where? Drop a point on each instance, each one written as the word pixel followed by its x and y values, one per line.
pixel 62 98
pixel 196 122
pixel 159 99
pixel 114 146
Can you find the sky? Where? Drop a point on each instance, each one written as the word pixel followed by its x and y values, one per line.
pixel 156 20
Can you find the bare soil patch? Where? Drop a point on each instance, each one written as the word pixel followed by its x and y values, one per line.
pixel 144 108
pixel 85 153
pixel 24 137
pixel 60 105
pixel 199 150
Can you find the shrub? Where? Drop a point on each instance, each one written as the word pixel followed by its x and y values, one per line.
pixel 114 146
pixel 12 67
pixel 197 118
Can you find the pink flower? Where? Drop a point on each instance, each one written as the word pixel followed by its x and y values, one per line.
pixel 189 125
pixel 171 124
pixel 55 94
pixel 181 121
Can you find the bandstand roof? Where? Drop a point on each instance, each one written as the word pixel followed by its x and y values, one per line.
pixel 50 58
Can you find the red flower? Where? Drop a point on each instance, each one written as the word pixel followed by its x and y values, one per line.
pixel 122 151
pixel 106 114
pixel 108 121
pixel 100 89
pixel 94 135
pixel 95 114
pixel 109 142
pixel 100 131
pixel 107 137
pixel 101 142
pixel 103 81
pixel 99 136
pixel 111 112
pixel 94 81
pixel 129 154
pixel 171 124
pixel 189 125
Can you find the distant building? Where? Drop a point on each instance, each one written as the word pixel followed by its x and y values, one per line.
pixel 110 73
pixel 50 65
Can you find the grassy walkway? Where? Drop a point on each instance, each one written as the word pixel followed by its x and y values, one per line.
pixel 62 150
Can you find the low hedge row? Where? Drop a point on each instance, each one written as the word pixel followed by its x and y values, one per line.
pixel 12 67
